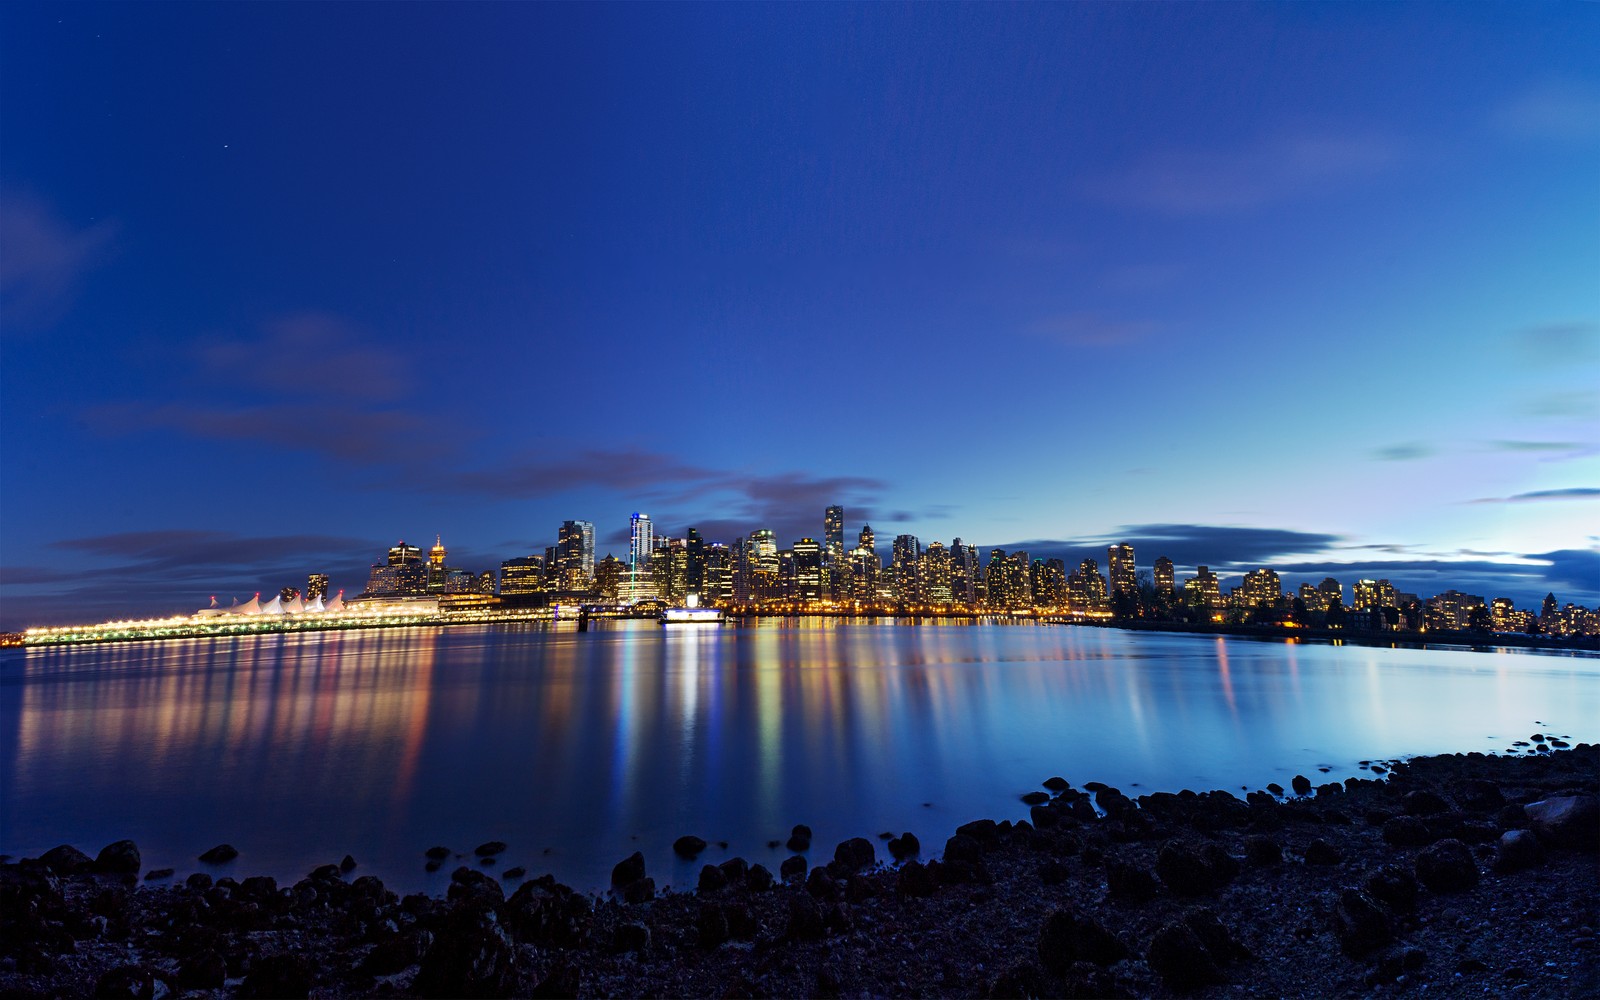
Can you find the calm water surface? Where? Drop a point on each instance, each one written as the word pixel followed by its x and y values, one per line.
pixel 577 749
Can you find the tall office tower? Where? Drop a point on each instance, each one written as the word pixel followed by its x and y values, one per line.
pixel 1119 564
pixel 739 570
pixel 436 567
pixel 316 586
pixel 1332 592
pixel 575 545
pixel 833 531
pixel 808 570
pixel 1021 580
pixel 1365 595
pixel 717 584
pixel 1203 590
pixel 785 575
pixel 696 547
pixel 1312 598
pixel 963 575
pixel 866 539
pixel 864 569
pixel 1166 583
pixel 1261 588
pixel 907 551
pixel 997 582
pixel 669 570
pixel 609 574
pixel 762 549
pixel 642 544
pixel 934 570
pixel 552 569
pixel 402 553
pixel 1049 583
pixel 522 576
pixel 1094 584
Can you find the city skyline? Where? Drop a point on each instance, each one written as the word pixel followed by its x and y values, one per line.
pixel 1060 277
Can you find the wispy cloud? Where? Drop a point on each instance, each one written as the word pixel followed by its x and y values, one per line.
pixel 1558 345
pixel 311 354
pixel 1407 452
pixel 1578 403
pixel 1546 496
pixel 1187 544
pixel 1560 111
pixel 43 259
pixel 347 433
pixel 1087 329
pixel 1281 168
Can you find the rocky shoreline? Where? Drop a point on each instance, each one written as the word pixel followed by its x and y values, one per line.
pixel 1463 875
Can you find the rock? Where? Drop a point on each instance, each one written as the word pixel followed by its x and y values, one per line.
pixel 712 880
pixel 805 919
pixel 1320 852
pixel 65 860
pixel 1262 851
pixel 1478 795
pixel 275 976
pixel 1447 867
pixel 1275 788
pixel 800 838
pixel 514 873
pixel 984 831
pixel 734 870
pixel 1057 784
pixel 1035 798
pixel 855 854
pixel 199 881
pixel 1516 850
pixel 758 878
pixel 631 936
pixel 204 970
pixel 1301 784
pixel 821 885
pixel 1361 923
pixel 347 864
pixel 1180 958
pixel 963 848
pixel 470 957
pixel 1394 886
pixel 905 846
pixel 1021 978
pixel 474 887
pixel 793 869
pixel 1184 871
pixel 628 870
pixel 1407 831
pixel 1130 882
pixel 711 925
pixel 1567 821
pixel 915 879
pixel 1069 935
pixel 157 873
pixel 1053 872
pixel 118 858
pixel 327 873
pixel 639 891
pixel 1423 803
pixel 688 847
pixel 489 849
pixel 435 853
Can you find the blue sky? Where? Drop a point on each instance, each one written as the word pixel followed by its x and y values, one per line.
pixel 1315 286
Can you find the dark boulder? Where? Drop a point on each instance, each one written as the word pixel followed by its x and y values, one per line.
pixel 1301 784
pixel 758 878
pixel 1361 923
pixel 1447 866
pixel 1320 852
pixel 199 882
pixel 800 838
pixel 821 885
pixel 473 887
pixel 1180 958
pixel 1069 935
pixel 805 919
pixel 1057 784
pixel 963 848
pixel 793 869
pixel 711 925
pixel 1423 803
pixel 855 854
pixel 1130 882
pixel 157 873
pixel 628 870
pixel 119 858
pixel 915 879
pixel 688 846
pixel 639 891
pixel 471 956
pixel 220 854
pixel 1394 886
pixel 65 860
pixel 489 849
pixel 1184 871
pixel 1262 851
pixel 984 831
pixel 433 853
pixel 1478 795
pixel 1035 798
pixel 1516 850
pixel 1407 831
pixel 905 846
pixel 279 976
pixel 347 864
pixel 1567 821
pixel 712 879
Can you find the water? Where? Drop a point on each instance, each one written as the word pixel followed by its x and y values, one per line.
pixel 577 749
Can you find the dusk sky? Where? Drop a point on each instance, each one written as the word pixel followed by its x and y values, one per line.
pixel 1308 286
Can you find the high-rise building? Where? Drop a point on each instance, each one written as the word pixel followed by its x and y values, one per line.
pixel 609 574
pixel 1049 577
pixel 696 547
pixel 669 570
pixel 403 553
pixel 1203 590
pixel 524 575
pixel 934 570
pixel 1312 598
pixel 998 585
pixel 833 531
pixel 642 543
pixel 1165 581
pixel 807 570
pixel 1332 593
pixel 1119 564
pixel 717 584
pixel 866 539
pixel 907 552
pixel 316 586
pixel 575 549
pixel 864 572
pixel 964 574
pixel 1261 589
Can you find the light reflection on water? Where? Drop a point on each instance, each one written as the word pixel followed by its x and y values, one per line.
pixel 577 749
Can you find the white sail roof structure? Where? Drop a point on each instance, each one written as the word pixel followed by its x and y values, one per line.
pixel 335 605
pixel 295 606
pixel 272 607
pixel 250 607
pixel 315 607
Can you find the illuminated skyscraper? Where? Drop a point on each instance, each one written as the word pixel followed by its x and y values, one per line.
pixel 522 576
pixel 696 547
pixel 808 570
pixel 642 544
pixel 833 531
pixel 1203 590
pixel 907 553
pixel 934 569
pixel 402 553
pixel 1165 582
pixel 1119 564
pixel 316 586
pixel 866 539
pixel 1332 592
pixel 964 573
pixel 1261 588
pixel 437 575
pixel 575 549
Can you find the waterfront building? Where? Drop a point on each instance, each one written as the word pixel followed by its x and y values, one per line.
pixel 669 570
pixel 1203 590
pixel 717 581
pixel 833 533
pixel 1165 580
pixel 906 553
pixel 609 574
pixel 934 571
pixel 397 579
pixel 1312 598
pixel 523 575
pixel 316 586
pixel 1120 567
pixel 1374 594
pixel 866 539
pixel 641 543
pixel 1455 610
pixel 1049 583
pixel 864 570
pixel 964 574
pixel 807 556
pixel 696 548
pixel 1261 589
pixel 1086 588
pixel 402 554
pixel 436 567
pixel 575 549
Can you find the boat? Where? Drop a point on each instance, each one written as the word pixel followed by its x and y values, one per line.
pixel 692 614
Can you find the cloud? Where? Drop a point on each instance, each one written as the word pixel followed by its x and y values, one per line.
pixel 1579 403
pixel 1558 345
pixel 1538 446
pixel 311 354
pixel 368 437
pixel 1282 168
pixel 1565 112
pixel 43 260
pixel 1537 496
pixel 1186 545
pixel 1092 330
pixel 1408 452
pixel 629 470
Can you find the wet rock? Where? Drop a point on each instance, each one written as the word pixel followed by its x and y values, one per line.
pixel 158 873
pixel 1262 851
pixel 758 878
pixel 793 868
pixel 1275 788
pixel 1447 867
pixel 688 847
pixel 490 849
pixel 514 873
pixel 258 888
pixel 275 976
pixel 1512 817
pixel 821 885
pixel 1479 795
pixel 327 873
pixel 1394 886
pixel 712 879
pixel 631 936
pixel 914 879
pixel 1184 871
pixel 1567 821
pixel 129 982
pixel 65 860
pixel 905 846
pixel 734 870
pixel 628 870
pixel 855 854
pixel 963 848
pixel 1057 784
pixel 1423 803
pixel 347 864
pixel 1035 798
pixel 805 919
pixel 118 858
pixel 438 853
pixel 1516 850
pixel 471 956
pixel 639 891
pixel 800 838
pixel 1407 831
pixel 984 831
pixel 1131 882
pixel 1069 935
pixel 1320 852
pixel 1301 784
pixel 1361 923
pixel 220 854
pixel 472 886
pixel 199 882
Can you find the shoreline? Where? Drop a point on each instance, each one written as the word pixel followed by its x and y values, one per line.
pixel 1448 874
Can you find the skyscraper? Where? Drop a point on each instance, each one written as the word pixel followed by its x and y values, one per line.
pixel 575 547
pixel 316 586
pixel 866 539
pixel 808 570
pixel 642 544
pixel 1164 579
pixel 522 576
pixel 1119 564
